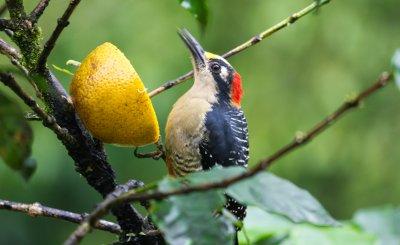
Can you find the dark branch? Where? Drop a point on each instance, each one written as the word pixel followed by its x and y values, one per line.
pixel 77 236
pixel 23 33
pixel 300 140
pixel 87 152
pixel 251 42
pixel 16 9
pixel 89 156
pixel 61 24
pixel 5 24
pixel 48 121
pixel 15 58
pixel 36 209
pixel 38 10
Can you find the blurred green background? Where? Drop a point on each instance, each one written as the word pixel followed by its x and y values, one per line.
pixel 291 81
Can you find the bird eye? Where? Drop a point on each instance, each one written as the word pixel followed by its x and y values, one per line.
pixel 215 67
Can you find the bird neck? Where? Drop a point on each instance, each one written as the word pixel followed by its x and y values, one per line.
pixel 215 90
pixel 230 93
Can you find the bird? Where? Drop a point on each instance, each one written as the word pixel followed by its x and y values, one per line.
pixel 206 126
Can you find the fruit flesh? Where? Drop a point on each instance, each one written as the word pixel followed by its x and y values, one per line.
pixel 111 99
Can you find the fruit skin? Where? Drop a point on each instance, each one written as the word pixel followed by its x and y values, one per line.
pixel 111 100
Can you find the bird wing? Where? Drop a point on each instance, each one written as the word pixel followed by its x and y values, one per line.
pixel 226 144
pixel 226 138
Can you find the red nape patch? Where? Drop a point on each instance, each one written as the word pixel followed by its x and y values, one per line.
pixel 236 89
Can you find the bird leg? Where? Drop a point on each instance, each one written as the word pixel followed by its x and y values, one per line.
pixel 156 155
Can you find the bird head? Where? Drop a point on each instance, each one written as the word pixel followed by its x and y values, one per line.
pixel 214 71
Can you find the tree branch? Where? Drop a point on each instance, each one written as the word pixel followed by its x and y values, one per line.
pixel 78 234
pixel 299 140
pixel 16 8
pixel 48 121
pixel 251 42
pixel 5 24
pixel 38 10
pixel 36 209
pixel 87 152
pixel 61 24
pixel 15 57
pixel 9 51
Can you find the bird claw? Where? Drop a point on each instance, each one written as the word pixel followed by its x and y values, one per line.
pixel 156 155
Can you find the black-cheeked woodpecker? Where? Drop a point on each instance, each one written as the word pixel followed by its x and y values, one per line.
pixel 206 126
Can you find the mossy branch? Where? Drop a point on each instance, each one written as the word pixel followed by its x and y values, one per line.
pixel 87 152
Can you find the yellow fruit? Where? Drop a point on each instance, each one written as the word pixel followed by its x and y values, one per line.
pixel 111 99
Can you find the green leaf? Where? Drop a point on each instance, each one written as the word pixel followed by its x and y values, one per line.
pixel 188 218
pixel 15 138
pixel 396 65
pixel 345 235
pixel 261 226
pixel 216 174
pixel 383 222
pixel 191 219
pixel 265 228
pixel 198 8
pixel 270 193
pixel 280 196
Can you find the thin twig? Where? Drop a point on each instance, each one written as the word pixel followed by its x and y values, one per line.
pixel 37 209
pixel 78 234
pixel 38 10
pixel 61 24
pixel 9 51
pixel 299 140
pixel 251 42
pixel 15 57
pixel 48 120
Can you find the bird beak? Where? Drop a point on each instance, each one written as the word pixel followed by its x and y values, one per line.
pixel 195 48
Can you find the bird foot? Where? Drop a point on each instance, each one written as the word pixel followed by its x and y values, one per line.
pixel 156 155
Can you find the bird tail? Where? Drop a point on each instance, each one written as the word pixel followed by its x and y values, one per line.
pixel 236 208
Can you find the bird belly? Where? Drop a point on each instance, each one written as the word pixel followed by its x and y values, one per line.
pixel 184 133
